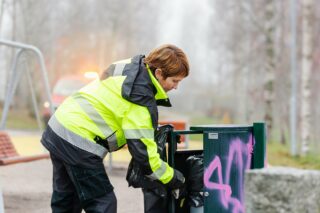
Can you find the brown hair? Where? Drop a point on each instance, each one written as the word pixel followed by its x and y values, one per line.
pixel 170 59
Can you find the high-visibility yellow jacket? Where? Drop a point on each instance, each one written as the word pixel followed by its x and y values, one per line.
pixel 121 108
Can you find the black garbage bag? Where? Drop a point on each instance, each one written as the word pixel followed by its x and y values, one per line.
pixel 194 184
pixel 153 203
pixel 136 177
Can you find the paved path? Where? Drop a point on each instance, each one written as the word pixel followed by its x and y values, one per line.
pixel 26 187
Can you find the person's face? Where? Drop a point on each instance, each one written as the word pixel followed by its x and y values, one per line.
pixel 170 82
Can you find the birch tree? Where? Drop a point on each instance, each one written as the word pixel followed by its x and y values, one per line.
pixel 307 6
pixel 2 5
pixel 270 64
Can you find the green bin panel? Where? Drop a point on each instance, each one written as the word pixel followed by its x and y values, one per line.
pixel 228 152
pixel 226 159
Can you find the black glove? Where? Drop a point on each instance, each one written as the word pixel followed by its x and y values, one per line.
pixel 177 180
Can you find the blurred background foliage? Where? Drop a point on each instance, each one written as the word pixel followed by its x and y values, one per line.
pixel 239 53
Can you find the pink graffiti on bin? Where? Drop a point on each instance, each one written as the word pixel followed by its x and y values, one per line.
pixel 237 149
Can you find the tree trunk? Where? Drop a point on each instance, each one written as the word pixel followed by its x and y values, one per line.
pixel 270 64
pixel 307 6
pixel 2 5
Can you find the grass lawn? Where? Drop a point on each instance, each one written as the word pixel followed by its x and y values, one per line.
pixel 279 155
pixel 20 119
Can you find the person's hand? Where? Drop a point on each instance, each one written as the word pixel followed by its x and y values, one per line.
pixel 177 180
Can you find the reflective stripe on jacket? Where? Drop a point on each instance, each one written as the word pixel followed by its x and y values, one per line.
pixel 121 108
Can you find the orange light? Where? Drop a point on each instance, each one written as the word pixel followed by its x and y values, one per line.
pixel 91 75
pixel 46 104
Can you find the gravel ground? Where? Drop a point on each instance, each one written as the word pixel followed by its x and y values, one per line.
pixel 26 187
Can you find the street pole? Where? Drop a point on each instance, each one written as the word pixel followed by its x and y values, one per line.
pixel 293 101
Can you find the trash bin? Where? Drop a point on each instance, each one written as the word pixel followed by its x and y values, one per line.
pixel 228 150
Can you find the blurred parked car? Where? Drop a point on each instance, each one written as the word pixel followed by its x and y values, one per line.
pixel 64 87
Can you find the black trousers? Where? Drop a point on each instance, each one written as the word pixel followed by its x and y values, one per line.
pixel 76 188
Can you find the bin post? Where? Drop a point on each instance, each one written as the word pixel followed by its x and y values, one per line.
pixel 172 146
pixel 259 151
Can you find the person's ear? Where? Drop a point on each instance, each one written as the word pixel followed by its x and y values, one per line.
pixel 158 73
